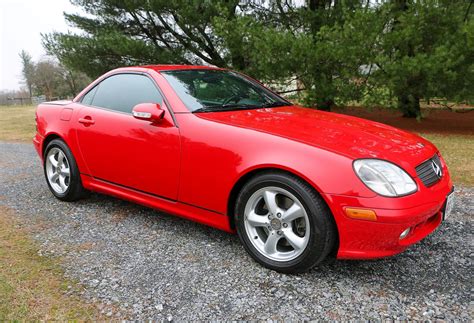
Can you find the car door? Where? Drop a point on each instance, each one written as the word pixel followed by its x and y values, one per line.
pixel 122 150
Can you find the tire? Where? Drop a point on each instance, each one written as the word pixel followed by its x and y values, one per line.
pixel 63 181
pixel 283 223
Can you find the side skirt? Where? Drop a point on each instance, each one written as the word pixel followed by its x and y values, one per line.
pixel 193 213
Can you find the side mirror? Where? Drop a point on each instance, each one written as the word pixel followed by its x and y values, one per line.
pixel 148 111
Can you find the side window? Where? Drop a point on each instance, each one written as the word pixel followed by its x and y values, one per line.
pixel 87 99
pixel 122 92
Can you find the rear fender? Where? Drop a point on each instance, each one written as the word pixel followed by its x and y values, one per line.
pixel 59 121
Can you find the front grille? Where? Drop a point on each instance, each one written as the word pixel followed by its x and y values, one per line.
pixel 430 171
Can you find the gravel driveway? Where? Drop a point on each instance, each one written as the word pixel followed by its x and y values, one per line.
pixel 142 263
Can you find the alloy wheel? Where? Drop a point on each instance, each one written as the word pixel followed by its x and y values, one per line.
pixel 276 223
pixel 58 171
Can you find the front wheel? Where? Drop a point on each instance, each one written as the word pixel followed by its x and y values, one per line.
pixel 283 223
pixel 61 172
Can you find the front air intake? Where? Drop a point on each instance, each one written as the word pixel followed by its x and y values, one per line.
pixel 430 171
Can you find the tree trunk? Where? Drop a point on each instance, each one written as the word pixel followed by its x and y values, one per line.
pixel 409 105
pixel 325 104
pixel 320 8
pixel 72 83
pixel 238 61
pixel 317 7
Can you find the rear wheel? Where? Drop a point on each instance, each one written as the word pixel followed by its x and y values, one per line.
pixel 61 172
pixel 283 223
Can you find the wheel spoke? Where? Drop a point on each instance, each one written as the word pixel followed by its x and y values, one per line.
pixel 60 159
pixel 53 161
pixel 294 240
pixel 62 183
pixel 54 177
pixel 293 213
pixel 270 201
pixel 271 243
pixel 256 220
pixel 65 171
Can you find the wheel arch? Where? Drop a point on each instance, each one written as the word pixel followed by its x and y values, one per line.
pixel 50 137
pixel 70 139
pixel 250 173
pixel 244 178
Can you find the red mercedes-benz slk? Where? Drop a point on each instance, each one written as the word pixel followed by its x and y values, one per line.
pixel 215 146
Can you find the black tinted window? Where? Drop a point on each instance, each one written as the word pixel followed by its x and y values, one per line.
pixel 123 91
pixel 87 99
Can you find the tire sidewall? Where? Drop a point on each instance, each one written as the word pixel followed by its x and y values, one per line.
pixel 316 248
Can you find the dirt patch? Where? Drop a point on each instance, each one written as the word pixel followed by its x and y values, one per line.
pixel 434 120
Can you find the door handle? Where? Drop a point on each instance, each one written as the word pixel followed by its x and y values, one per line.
pixel 86 121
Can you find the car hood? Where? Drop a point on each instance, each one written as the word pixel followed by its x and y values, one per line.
pixel 342 134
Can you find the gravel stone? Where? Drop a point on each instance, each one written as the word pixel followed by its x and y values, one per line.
pixel 145 264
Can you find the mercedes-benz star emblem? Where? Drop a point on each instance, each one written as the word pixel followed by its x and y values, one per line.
pixel 437 169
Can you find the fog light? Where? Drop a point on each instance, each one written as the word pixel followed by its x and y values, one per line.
pixel 404 233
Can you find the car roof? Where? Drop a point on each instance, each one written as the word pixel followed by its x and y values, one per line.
pixel 165 67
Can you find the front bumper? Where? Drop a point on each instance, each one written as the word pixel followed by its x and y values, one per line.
pixel 422 212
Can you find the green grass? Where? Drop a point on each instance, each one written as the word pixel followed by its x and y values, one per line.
pixel 32 287
pixel 17 123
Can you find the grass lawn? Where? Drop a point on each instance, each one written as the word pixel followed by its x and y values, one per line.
pixel 17 123
pixel 32 288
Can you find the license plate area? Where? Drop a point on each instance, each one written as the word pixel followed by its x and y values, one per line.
pixel 448 206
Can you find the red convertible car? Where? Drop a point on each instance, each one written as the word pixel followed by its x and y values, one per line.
pixel 217 147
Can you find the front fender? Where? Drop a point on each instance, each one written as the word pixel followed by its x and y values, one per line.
pixel 215 156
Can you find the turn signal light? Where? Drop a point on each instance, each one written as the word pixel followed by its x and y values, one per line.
pixel 361 214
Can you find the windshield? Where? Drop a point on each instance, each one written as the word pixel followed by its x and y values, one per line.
pixel 217 90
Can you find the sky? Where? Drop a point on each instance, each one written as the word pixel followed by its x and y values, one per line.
pixel 21 23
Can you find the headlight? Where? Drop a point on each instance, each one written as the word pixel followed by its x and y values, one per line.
pixel 384 178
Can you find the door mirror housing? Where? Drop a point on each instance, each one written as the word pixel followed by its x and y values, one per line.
pixel 148 111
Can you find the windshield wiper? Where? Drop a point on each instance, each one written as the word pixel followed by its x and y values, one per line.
pixel 275 104
pixel 237 106
pixel 225 107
